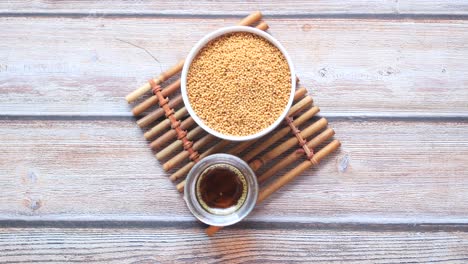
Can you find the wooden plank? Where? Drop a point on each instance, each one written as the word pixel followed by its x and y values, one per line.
pixel 202 7
pixel 171 245
pixel 295 7
pixel 385 172
pixel 432 7
pixel 352 67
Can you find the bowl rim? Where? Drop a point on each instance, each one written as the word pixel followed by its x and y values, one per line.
pixel 201 44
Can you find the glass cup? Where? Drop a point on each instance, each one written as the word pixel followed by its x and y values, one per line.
pixel 221 190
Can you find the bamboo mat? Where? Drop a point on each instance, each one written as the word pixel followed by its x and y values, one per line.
pixel 178 140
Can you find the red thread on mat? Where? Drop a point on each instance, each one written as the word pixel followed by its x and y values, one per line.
pixel 171 112
pixel 155 88
pixel 309 152
pixel 175 124
pixel 181 135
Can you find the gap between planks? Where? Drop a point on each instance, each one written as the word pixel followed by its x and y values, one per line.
pixel 358 116
pixel 376 224
pixel 116 15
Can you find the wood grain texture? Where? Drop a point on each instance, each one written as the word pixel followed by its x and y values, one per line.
pixel 385 172
pixel 79 183
pixel 171 245
pixel 295 7
pixel 352 67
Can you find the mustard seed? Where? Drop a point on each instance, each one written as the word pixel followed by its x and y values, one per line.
pixel 239 84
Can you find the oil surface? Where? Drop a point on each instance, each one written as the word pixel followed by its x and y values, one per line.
pixel 221 186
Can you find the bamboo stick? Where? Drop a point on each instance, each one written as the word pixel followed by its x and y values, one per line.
pixel 153 100
pixel 299 93
pixel 177 144
pixel 304 117
pixel 180 186
pixel 278 135
pixel 171 134
pixel 212 230
pixel 313 143
pixel 181 173
pixel 297 122
pixel 244 145
pixel 153 116
pixel 263 26
pixel 285 179
pixel 307 132
pixel 296 108
pixel 234 151
pixel 166 123
pixel 158 80
pixel 249 20
pixel 185 170
pixel 288 177
pixel 306 101
pixel 176 160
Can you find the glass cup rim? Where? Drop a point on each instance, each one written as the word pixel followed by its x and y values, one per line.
pixel 203 215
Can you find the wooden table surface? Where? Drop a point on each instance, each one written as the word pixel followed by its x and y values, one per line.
pixel 78 182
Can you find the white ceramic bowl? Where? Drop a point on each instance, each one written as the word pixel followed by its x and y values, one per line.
pixel 193 53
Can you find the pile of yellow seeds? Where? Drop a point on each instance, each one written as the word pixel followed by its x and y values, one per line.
pixel 239 84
